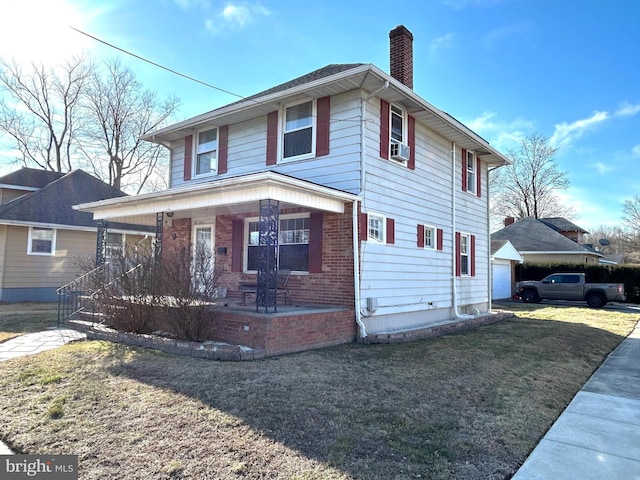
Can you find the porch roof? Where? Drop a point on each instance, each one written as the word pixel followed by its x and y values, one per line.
pixel 225 196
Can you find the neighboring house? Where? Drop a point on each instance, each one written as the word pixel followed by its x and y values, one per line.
pixel 548 240
pixel 42 236
pixel 504 258
pixel 378 199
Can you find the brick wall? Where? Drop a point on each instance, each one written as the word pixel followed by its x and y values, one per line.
pixel 285 333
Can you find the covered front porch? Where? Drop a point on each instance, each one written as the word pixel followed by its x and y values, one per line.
pixel 255 226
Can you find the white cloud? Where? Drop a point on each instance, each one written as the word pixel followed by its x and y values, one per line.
pixel 603 168
pixel 565 133
pixel 237 15
pixel 442 42
pixel 496 35
pixel 635 150
pixel 502 135
pixel 627 110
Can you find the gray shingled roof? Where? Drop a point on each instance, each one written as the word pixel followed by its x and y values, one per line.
pixel 53 204
pixel 30 178
pixel 533 235
pixel 562 224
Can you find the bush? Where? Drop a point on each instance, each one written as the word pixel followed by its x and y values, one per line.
pixel 627 274
pixel 177 294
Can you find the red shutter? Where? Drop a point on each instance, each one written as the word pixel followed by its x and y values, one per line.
pixel 272 138
pixel 315 242
pixel 223 144
pixel 384 129
pixel 457 254
pixel 473 255
pixel 391 231
pixel 439 244
pixel 188 149
pixel 464 170
pixel 421 236
pixel 322 126
pixel 237 233
pixel 363 227
pixel 411 134
pixel 478 176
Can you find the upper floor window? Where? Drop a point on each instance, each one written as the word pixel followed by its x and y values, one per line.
pixel 298 135
pixel 397 124
pixel 207 152
pixel 42 241
pixel 470 165
pixel 398 141
pixel 377 228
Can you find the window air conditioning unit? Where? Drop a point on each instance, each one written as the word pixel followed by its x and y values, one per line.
pixel 399 151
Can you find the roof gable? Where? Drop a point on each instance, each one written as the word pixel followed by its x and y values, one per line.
pixel 53 203
pixel 533 235
pixel 562 225
pixel 30 178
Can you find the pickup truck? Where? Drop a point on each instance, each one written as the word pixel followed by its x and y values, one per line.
pixel 570 286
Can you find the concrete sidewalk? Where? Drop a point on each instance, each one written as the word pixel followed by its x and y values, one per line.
pixel 32 343
pixel 598 435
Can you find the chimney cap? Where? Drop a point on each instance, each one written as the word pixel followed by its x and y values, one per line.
pixel 401 30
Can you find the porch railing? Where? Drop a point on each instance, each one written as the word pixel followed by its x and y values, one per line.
pixel 78 296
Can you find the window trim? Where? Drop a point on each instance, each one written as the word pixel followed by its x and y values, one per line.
pixel 471 182
pixel 194 162
pixel 30 239
pixel 283 131
pixel 465 238
pixel 383 228
pixel 245 241
pixel 434 237
pixel 404 117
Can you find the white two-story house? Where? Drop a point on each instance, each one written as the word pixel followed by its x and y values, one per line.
pixel 379 200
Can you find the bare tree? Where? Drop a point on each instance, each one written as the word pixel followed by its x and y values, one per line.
pixel 616 241
pixel 529 187
pixel 631 210
pixel 118 111
pixel 41 110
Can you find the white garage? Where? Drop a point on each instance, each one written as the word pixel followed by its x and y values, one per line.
pixel 503 256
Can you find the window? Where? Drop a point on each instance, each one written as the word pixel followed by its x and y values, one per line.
pixel 298 128
pixel 397 124
pixel 471 172
pixel 115 244
pixel 429 237
pixel 465 264
pixel 293 244
pixel 207 152
pixel 376 228
pixel 42 241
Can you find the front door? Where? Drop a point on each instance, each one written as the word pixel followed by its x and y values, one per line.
pixel 203 257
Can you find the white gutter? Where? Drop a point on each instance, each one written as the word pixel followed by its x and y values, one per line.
pixel 454 280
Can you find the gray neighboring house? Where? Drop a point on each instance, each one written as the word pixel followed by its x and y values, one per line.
pixel 42 236
pixel 548 240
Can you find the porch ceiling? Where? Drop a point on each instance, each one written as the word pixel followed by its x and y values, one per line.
pixel 225 196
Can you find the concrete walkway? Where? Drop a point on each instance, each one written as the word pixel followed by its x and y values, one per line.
pixel 598 435
pixel 33 343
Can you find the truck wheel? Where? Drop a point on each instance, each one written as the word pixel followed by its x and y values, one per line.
pixel 596 300
pixel 530 296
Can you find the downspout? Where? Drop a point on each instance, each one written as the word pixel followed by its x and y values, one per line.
pixel 356 270
pixel 454 281
pixel 363 181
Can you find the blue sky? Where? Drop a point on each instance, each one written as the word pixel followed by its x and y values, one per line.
pixel 567 69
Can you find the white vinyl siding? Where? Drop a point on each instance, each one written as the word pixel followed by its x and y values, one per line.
pixel 247 147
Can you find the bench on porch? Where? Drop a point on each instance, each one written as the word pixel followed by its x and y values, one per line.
pixel 281 288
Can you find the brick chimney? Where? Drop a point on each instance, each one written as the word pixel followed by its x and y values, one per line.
pixel 401 55
pixel 508 221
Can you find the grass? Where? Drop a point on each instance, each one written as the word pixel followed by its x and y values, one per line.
pixel 20 318
pixel 464 406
